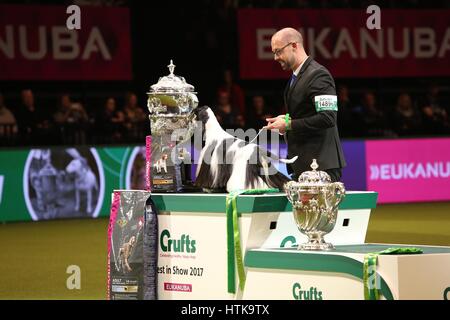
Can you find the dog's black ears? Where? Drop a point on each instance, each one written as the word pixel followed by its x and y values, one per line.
pixel 202 113
pixel 200 109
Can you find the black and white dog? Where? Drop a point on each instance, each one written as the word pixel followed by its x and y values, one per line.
pixel 228 163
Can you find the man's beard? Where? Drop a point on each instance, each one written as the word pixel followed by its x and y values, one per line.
pixel 285 65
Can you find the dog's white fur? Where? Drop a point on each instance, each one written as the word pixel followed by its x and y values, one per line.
pixel 85 181
pixel 242 154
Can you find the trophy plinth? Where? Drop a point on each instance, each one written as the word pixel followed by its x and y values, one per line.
pixel 315 200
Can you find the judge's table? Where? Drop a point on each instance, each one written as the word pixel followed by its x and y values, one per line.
pixel 195 258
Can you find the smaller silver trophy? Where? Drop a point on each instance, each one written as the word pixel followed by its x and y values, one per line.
pixel 315 200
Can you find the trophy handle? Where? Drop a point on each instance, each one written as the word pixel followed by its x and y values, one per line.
pixel 338 193
pixel 291 194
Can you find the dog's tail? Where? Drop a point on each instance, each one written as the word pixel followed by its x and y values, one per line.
pixel 260 171
pixel 291 160
pixel 274 157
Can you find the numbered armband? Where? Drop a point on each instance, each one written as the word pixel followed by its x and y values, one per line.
pixel 326 103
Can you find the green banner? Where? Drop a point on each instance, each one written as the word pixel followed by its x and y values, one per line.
pixel 55 183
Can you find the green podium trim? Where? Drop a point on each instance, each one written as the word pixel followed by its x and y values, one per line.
pixel 370 265
pixel 277 202
pixel 372 247
pixel 234 248
pixel 310 262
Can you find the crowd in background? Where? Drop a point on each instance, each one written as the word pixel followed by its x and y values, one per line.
pixel 68 120
pixel 71 121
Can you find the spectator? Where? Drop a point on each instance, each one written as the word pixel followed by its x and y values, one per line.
pixel 133 113
pixel 370 121
pixel 8 124
pixel 134 118
pixel 406 118
pixel 258 113
pixel 70 112
pixel 110 122
pixel 34 125
pixel 71 120
pixel 434 114
pixel 345 113
pixel 226 114
pixel 240 121
pixel 235 92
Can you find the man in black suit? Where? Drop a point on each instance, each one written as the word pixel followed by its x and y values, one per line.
pixel 310 96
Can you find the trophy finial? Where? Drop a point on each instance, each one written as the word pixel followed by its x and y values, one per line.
pixel 171 67
pixel 314 165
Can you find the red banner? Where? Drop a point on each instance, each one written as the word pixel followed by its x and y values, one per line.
pixel 410 42
pixel 35 44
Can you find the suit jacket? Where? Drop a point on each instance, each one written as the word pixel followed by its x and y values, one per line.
pixel 313 134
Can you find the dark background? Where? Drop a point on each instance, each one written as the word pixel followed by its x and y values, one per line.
pixel 201 37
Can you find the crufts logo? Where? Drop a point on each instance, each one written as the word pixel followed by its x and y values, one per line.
pixel 311 294
pixel 184 244
pixel 288 241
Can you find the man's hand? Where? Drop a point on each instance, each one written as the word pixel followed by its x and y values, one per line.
pixel 277 123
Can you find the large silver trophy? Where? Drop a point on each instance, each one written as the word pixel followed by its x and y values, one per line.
pixel 315 200
pixel 172 123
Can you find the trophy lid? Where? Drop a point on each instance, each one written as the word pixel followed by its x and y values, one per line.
pixel 314 177
pixel 171 83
